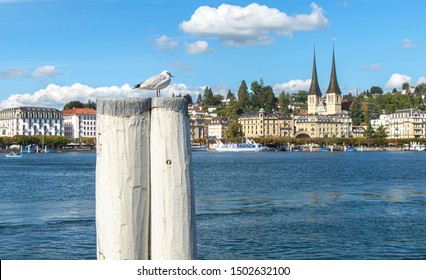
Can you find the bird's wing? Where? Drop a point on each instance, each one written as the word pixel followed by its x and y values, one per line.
pixel 152 82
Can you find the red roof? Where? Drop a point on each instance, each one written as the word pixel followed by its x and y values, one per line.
pixel 79 111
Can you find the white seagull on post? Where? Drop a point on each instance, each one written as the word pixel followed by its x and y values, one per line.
pixel 158 82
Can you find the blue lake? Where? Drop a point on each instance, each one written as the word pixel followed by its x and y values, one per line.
pixel 272 205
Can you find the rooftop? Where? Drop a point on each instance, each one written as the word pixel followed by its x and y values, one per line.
pixel 79 111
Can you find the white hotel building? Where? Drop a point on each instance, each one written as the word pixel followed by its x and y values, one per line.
pixel 31 121
pixel 80 123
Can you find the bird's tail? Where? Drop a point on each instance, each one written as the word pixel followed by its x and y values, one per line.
pixel 136 86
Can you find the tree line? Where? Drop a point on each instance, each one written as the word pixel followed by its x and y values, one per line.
pixel 40 140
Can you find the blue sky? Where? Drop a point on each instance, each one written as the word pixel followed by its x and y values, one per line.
pixel 53 52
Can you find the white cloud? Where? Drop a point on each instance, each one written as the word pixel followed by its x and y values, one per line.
pixel 292 86
pixel 198 47
pixel 14 73
pixel 183 66
pixel 373 68
pixel 45 71
pixel 56 96
pixel 250 25
pixel 39 72
pixel 422 80
pixel 408 44
pixel 165 43
pixel 396 81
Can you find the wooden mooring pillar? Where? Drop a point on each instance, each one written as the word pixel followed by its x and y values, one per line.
pixel 144 185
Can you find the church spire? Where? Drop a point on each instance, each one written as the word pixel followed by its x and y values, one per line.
pixel 314 89
pixel 333 87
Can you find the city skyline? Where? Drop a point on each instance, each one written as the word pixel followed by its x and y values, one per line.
pixel 56 52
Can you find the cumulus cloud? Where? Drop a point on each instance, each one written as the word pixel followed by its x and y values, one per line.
pixel 292 86
pixel 198 47
pixel 165 43
pixel 422 80
pixel 408 44
pixel 396 81
pixel 373 68
pixel 56 96
pixel 250 25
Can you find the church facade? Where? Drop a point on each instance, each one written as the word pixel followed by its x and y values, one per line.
pixel 325 117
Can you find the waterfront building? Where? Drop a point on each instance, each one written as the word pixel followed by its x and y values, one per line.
pixel 358 130
pixel 266 125
pixel 383 120
pixel 79 123
pixel 318 126
pixel 216 127
pixel 31 121
pixel 325 116
pixel 406 123
pixel 198 128
pixel 196 111
pixel 198 118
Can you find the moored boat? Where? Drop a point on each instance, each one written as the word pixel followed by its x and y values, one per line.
pixel 248 146
pixel 351 149
pixel 199 148
pixel 14 155
pixel 415 146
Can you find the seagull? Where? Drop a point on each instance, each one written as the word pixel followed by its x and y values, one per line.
pixel 158 82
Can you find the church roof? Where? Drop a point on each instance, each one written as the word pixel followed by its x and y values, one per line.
pixel 314 89
pixel 333 87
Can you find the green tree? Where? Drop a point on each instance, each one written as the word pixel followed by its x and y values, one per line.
pixel 256 88
pixel 301 96
pixel 420 90
pixel 73 104
pixel 266 99
pixel 369 133
pixel 208 96
pixel 380 132
pixel 357 113
pixel 405 86
pixel 284 101
pixel 233 130
pixel 366 115
pixel 373 111
pixel 200 99
pixel 243 96
pixel 90 104
pixel 230 96
pixel 348 97
pixel 376 90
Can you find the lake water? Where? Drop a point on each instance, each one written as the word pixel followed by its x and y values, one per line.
pixel 272 205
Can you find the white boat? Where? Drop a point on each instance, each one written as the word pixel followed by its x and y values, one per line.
pixel 14 155
pixel 415 146
pixel 199 148
pixel 248 146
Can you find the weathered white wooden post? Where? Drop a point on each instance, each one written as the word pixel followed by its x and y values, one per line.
pixel 122 179
pixel 144 184
pixel 172 194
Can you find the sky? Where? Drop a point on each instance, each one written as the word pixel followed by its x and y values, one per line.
pixel 56 51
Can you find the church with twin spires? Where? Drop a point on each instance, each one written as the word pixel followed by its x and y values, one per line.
pixel 325 117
